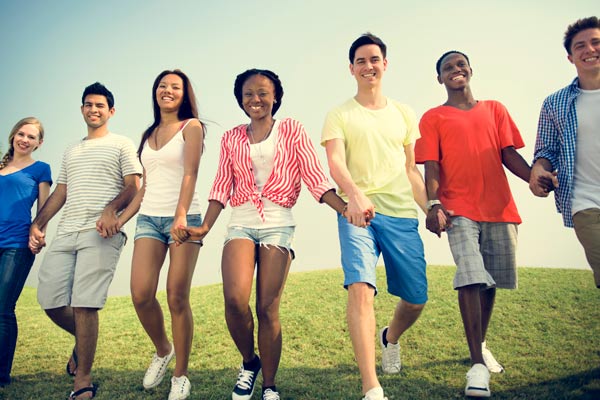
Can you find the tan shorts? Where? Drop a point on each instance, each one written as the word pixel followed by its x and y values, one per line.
pixel 587 229
pixel 78 269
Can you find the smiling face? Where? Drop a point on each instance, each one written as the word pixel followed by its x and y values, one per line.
pixel 368 66
pixel 169 93
pixel 455 72
pixel 95 110
pixel 258 96
pixel 26 140
pixel 585 51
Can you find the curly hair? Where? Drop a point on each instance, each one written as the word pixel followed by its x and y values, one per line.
pixel 244 76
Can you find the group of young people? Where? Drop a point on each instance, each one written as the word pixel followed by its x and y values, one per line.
pixel 373 144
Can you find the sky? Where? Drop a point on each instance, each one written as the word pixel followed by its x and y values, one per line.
pixel 51 50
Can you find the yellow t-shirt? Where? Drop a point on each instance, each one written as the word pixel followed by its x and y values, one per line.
pixel 374 141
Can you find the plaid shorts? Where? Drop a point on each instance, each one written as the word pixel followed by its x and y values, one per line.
pixel 484 253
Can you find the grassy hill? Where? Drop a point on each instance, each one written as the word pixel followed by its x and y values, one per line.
pixel 546 334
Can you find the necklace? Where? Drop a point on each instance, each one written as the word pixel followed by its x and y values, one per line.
pixel 249 129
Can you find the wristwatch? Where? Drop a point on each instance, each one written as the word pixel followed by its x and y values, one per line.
pixel 431 203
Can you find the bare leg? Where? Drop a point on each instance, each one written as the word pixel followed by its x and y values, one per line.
pixel 237 266
pixel 148 257
pixel 273 266
pixel 86 337
pixel 361 323
pixel 63 317
pixel 486 299
pixel 470 310
pixel 181 270
pixel 405 315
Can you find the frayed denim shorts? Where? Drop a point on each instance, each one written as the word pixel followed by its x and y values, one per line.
pixel 159 228
pixel 281 237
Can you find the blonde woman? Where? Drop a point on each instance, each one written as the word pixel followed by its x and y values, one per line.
pixel 23 181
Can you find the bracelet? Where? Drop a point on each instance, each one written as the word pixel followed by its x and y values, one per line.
pixel 344 211
pixel 432 203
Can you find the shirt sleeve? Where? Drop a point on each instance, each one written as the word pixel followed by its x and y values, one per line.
pixel 507 129
pixel 130 164
pixel 333 127
pixel 46 174
pixel 427 147
pixel 547 140
pixel 311 170
pixel 223 183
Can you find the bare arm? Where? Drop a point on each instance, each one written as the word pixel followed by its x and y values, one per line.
pixel 108 223
pixel 134 205
pixel 52 205
pixel 360 208
pixel 516 163
pixel 185 233
pixel 437 217
pixel 415 178
pixel 192 152
pixel 334 201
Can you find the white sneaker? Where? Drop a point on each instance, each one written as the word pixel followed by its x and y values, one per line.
pixel 156 371
pixel 269 394
pixel 490 361
pixel 390 355
pixel 478 381
pixel 180 388
pixel 375 394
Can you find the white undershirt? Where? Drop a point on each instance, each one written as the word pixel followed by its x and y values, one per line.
pixel 586 186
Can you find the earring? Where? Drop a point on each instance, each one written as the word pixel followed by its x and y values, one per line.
pixel 274 101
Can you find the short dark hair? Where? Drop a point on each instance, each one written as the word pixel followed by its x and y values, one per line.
pixel 244 76
pixel 578 26
pixel 438 64
pixel 99 89
pixel 364 39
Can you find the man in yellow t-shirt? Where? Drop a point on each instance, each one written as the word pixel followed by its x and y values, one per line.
pixel 370 148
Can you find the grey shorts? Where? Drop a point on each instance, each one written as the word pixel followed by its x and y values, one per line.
pixel 78 269
pixel 484 253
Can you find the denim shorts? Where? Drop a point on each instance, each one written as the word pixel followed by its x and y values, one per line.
pixel 281 237
pixel 398 240
pixel 159 228
pixel 484 253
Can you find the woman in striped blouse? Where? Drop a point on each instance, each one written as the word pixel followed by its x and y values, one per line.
pixel 261 166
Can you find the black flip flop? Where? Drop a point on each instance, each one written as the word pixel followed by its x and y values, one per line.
pixel 75 394
pixel 74 357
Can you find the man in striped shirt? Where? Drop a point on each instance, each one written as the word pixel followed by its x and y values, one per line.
pixel 568 141
pixel 99 176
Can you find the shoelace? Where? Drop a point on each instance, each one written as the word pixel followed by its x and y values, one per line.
pixel 245 378
pixel 156 364
pixel 178 384
pixel 270 395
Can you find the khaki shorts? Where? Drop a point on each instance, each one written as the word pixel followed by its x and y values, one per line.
pixel 78 269
pixel 587 229
pixel 484 253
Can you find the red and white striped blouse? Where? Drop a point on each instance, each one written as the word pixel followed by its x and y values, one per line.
pixel 295 159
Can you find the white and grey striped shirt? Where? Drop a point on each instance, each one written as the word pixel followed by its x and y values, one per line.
pixel 93 170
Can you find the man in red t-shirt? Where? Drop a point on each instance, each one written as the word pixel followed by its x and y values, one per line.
pixel 464 144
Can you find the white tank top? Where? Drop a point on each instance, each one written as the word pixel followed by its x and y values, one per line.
pixel 164 173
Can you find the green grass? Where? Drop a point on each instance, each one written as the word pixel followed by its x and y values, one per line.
pixel 547 335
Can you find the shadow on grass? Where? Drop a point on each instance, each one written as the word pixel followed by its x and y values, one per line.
pixel 341 382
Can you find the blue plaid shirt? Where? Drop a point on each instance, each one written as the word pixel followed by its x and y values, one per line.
pixel 556 142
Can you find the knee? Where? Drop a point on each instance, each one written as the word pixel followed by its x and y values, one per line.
pixel 268 312
pixel 361 293
pixel 235 306
pixel 141 299
pixel 413 308
pixel 178 302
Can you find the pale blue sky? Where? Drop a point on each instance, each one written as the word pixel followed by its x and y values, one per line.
pixel 51 50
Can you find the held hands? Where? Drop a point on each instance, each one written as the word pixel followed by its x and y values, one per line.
pixel 177 231
pixel 37 239
pixel 359 211
pixel 438 219
pixel 108 224
pixel 185 233
pixel 541 181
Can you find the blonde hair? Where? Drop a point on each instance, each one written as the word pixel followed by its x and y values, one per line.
pixel 11 150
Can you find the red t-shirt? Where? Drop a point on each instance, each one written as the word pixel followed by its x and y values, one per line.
pixel 468 145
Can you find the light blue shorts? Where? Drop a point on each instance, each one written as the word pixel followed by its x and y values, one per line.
pixel 281 237
pixel 398 240
pixel 159 228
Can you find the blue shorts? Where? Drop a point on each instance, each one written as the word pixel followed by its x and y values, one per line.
pixel 399 241
pixel 281 237
pixel 159 228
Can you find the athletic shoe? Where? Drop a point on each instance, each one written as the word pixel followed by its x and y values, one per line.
pixel 180 388
pixel 156 371
pixel 269 394
pixel 244 387
pixel 390 354
pixel 375 394
pixel 478 381
pixel 490 361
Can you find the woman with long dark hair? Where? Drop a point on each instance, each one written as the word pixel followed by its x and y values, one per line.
pixel 170 152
